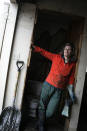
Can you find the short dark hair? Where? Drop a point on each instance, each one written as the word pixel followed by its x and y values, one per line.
pixel 73 57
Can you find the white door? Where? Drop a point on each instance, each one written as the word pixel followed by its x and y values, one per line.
pixel 21 51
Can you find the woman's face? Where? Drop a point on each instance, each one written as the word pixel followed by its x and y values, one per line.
pixel 67 51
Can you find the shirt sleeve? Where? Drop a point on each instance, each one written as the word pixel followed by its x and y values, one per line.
pixel 72 75
pixel 44 53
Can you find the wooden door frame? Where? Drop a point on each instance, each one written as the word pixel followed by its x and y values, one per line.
pixel 7 42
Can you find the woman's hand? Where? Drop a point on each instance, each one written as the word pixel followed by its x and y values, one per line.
pixel 71 93
pixel 32 46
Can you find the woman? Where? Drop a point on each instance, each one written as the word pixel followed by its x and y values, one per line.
pixel 61 76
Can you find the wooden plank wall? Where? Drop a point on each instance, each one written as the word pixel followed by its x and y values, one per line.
pixel 7 45
pixel 21 49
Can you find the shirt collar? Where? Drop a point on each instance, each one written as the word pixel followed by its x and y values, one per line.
pixel 64 59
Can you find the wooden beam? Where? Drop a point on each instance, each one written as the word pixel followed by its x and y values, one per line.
pixel 80 83
pixel 6 49
pixel 3 21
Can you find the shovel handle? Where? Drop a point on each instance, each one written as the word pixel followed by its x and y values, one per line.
pixel 20 64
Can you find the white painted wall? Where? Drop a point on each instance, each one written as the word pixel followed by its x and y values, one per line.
pixel 3 21
pixel 79 84
pixel 8 20
pixel 21 49
pixel 1 7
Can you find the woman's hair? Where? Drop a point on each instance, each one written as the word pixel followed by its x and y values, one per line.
pixel 73 57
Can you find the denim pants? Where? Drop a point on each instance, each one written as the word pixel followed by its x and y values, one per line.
pixel 49 99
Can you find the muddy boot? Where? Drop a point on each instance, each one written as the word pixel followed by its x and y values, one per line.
pixel 41 120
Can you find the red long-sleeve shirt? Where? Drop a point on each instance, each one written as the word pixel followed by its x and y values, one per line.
pixel 61 74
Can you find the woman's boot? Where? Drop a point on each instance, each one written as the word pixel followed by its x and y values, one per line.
pixel 41 120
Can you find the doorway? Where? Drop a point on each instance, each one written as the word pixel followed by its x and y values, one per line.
pixel 51 32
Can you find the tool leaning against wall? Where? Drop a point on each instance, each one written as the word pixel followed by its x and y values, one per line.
pixel 10 117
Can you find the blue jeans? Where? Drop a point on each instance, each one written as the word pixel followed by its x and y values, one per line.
pixel 49 99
